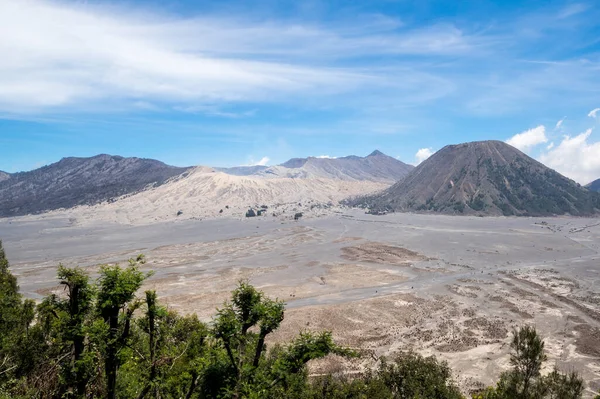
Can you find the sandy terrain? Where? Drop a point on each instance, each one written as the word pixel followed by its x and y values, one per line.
pixel 206 193
pixel 450 286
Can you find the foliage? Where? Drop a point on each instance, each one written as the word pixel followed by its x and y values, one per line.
pixel 16 316
pixel 524 380
pixel 99 339
pixel 407 376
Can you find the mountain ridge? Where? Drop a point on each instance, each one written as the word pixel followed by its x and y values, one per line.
pixel 76 181
pixel 375 167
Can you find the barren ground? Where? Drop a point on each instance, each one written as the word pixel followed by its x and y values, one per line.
pixel 450 286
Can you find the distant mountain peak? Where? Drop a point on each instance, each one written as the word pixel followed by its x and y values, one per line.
pixel 594 186
pixel 375 167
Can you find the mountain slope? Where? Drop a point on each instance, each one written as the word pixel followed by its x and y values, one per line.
pixel 78 181
pixel 376 167
pixel 243 170
pixel 205 192
pixel 4 176
pixel 488 178
pixel 594 186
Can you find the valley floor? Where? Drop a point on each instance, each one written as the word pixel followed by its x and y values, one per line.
pixel 449 286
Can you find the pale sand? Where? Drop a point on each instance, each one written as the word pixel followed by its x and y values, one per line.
pixel 204 192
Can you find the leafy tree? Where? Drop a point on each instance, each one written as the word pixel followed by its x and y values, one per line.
pixel 248 308
pixel 561 386
pixel 524 381
pixel 414 376
pixel 242 326
pixel 407 376
pixel 526 359
pixel 74 312
pixel 16 317
pixel 10 299
pixel 116 303
pixel 170 349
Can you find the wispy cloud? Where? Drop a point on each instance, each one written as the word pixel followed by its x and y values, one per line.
pixel 572 9
pixel 212 110
pixel 58 55
pixel 593 113
pixel 505 89
pixel 235 79
pixel 528 139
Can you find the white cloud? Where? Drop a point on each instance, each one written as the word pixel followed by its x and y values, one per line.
pixel 263 161
pixel 70 55
pixel 550 146
pixel 528 139
pixel 423 154
pixel 593 113
pixel 559 123
pixel 326 157
pixel 575 157
pixel 56 54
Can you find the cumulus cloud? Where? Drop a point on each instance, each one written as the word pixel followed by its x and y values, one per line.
pixel 593 113
pixel 423 154
pixel 576 157
pixel 528 139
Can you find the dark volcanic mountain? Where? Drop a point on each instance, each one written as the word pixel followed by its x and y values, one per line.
pixel 487 178
pixel 79 181
pixel 376 167
pixel 594 186
pixel 4 176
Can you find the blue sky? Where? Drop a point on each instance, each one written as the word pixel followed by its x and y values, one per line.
pixel 239 82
